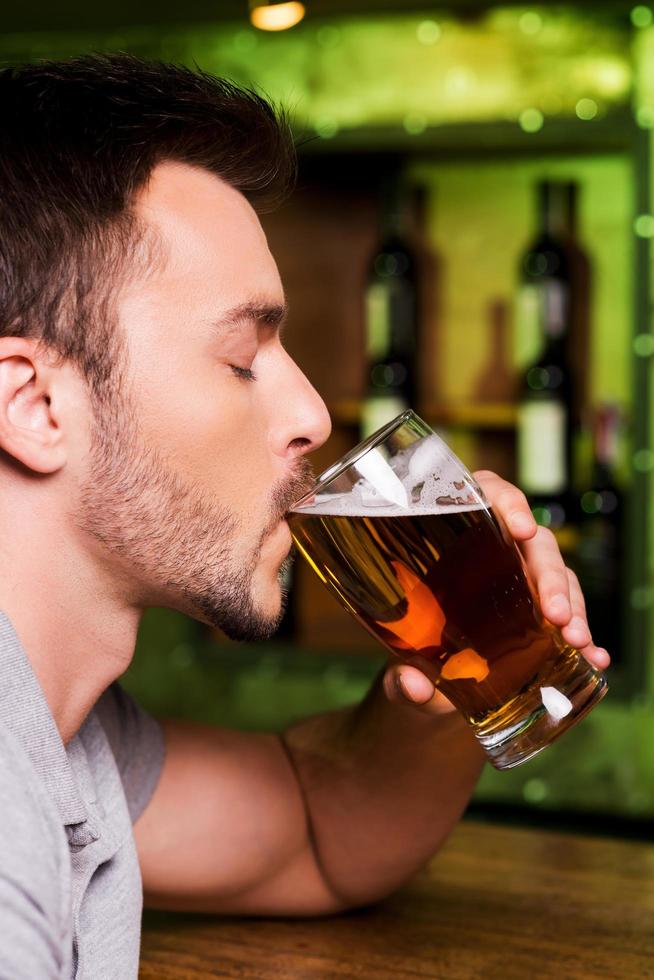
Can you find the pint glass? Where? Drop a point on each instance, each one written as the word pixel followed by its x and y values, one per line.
pixel 399 531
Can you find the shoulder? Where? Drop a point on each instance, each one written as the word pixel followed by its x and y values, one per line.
pixel 137 743
pixel 25 807
pixel 33 845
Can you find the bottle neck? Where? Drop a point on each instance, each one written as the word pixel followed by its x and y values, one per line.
pixel 556 209
pixel 392 207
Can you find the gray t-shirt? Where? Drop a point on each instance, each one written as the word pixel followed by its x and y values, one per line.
pixel 70 885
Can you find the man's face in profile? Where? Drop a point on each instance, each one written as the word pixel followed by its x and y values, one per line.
pixel 194 462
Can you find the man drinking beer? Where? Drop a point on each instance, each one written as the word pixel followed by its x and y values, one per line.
pixel 147 459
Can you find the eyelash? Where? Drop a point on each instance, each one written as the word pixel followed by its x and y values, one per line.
pixel 247 374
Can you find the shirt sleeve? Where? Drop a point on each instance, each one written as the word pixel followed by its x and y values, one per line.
pixel 34 939
pixel 137 742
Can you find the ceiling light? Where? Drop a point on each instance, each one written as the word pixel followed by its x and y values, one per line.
pixel 275 16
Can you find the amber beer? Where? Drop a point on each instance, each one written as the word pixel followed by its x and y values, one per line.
pixel 447 584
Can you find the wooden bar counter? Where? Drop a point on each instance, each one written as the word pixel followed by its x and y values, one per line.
pixel 497 903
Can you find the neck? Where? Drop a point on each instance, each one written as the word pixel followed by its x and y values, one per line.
pixel 76 630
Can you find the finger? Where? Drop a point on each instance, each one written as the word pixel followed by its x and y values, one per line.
pixel 409 684
pixel 597 657
pixel 549 575
pixel 578 633
pixel 510 503
pixel 405 684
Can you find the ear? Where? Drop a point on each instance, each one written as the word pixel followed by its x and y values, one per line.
pixel 29 428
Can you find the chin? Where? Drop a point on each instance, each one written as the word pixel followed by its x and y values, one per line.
pixel 247 609
pixel 260 625
pixel 268 601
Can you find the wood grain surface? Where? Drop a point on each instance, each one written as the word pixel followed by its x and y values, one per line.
pixel 498 903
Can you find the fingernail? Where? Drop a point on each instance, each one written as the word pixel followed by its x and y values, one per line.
pixel 412 688
pixel 399 684
pixel 406 686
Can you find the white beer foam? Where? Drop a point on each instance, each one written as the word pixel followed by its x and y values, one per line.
pixel 342 505
pixel 422 459
pixel 423 479
pixel 378 474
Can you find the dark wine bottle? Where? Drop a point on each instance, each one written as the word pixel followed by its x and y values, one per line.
pixel 600 551
pixel 545 412
pixel 391 315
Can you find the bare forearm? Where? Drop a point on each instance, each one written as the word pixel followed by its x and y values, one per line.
pixel 383 785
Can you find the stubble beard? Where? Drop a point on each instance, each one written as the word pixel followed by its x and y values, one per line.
pixel 175 541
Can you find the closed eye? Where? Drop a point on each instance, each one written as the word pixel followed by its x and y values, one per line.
pixel 247 374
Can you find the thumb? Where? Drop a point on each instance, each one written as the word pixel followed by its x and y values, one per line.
pixel 407 684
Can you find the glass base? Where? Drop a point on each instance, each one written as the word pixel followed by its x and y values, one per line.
pixel 542 712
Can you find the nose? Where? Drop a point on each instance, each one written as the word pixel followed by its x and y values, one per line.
pixel 301 420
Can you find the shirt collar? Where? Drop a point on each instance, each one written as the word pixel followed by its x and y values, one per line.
pixel 25 712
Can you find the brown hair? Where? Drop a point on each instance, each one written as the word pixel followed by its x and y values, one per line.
pixel 78 138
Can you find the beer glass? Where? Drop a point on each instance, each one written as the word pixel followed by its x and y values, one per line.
pixel 399 531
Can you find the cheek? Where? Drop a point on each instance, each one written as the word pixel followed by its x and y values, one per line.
pixel 212 430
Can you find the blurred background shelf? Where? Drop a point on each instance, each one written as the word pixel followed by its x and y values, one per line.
pixel 498 416
pixel 610 133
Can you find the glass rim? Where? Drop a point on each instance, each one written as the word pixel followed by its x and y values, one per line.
pixel 340 466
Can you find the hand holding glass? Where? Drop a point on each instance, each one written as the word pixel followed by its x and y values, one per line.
pixel 401 533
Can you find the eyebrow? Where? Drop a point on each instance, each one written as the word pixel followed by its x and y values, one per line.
pixel 266 314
